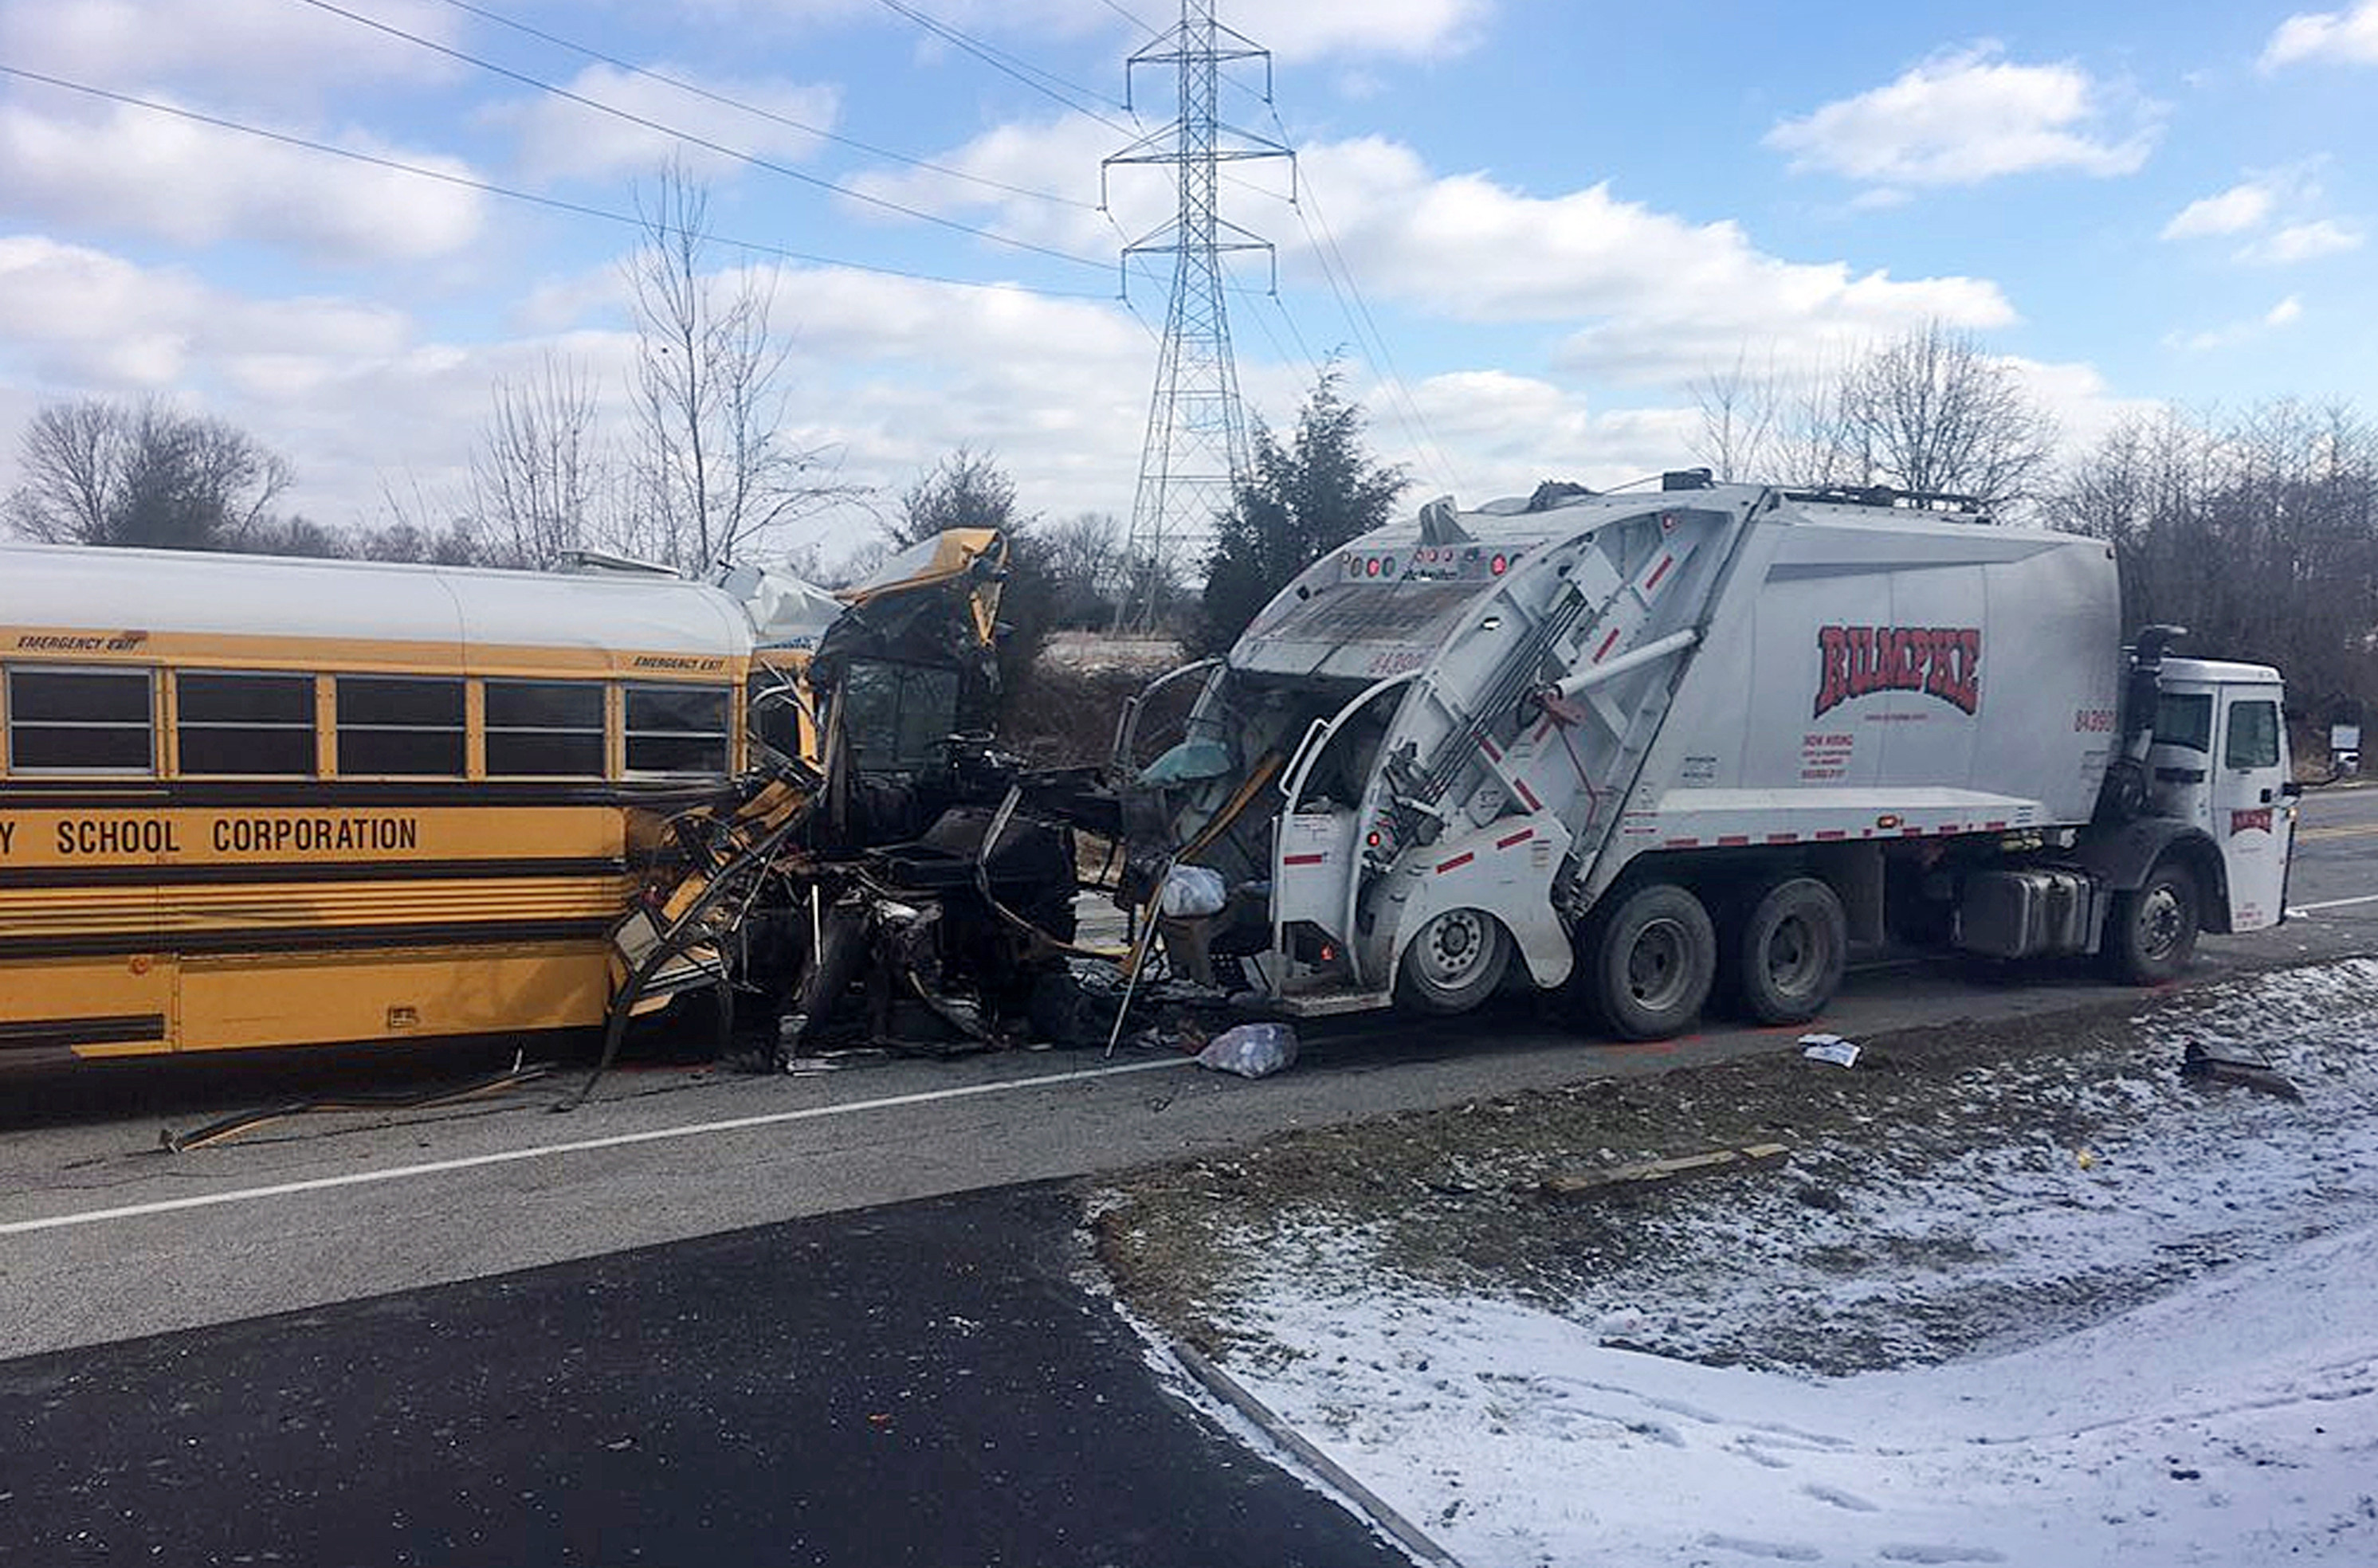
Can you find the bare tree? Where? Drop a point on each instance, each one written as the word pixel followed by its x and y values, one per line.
pixel 712 469
pixel 1929 411
pixel 1926 411
pixel 2258 532
pixel 1742 413
pixel 539 480
pixel 98 473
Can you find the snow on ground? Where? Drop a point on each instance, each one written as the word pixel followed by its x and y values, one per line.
pixel 2159 1351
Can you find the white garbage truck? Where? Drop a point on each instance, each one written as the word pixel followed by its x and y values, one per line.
pixel 1649 747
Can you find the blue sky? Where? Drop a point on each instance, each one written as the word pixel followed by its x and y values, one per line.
pixel 1553 216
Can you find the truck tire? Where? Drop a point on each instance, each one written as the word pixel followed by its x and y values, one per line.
pixel 1453 962
pixel 1651 959
pixel 1789 951
pixel 2151 933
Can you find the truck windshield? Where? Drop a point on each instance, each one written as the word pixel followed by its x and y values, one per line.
pixel 2184 718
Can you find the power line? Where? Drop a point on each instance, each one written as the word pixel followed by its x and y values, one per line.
pixel 1360 320
pixel 697 91
pixel 690 140
pixel 576 209
pixel 1013 65
pixel 1127 15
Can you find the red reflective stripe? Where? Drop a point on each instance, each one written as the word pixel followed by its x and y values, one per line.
pixel 1302 859
pixel 1488 747
pixel 1830 833
pixel 1522 836
pixel 1464 858
pixel 1783 838
pixel 1527 795
pixel 1665 562
pixel 1992 827
pixel 1683 844
pixel 1729 839
pixel 1606 642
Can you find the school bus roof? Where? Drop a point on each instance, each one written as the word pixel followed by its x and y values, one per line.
pixel 447 610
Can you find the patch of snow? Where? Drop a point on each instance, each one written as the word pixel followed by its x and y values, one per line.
pixel 2181 1338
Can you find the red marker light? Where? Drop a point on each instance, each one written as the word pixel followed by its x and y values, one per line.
pixel 1370 566
pixel 1372 838
pixel 1329 953
pixel 1500 564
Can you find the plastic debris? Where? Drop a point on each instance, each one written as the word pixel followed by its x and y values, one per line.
pixel 1251 1051
pixel 1829 1047
pixel 1192 892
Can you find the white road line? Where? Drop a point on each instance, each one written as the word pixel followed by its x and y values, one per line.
pixel 2296 909
pixel 544 1151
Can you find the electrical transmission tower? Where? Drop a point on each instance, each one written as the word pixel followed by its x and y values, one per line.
pixel 1196 446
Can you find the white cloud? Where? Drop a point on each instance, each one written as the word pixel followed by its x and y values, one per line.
pixel 2085 408
pixel 2232 212
pixel 2344 37
pixel 561 139
pixel 1298 30
pixel 258 50
pixel 1058 157
pixel 125 169
pixel 1656 294
pixel 1970 116
pixel 2303 242
pixel 2286 313
pixel 1507 432
pixel 1659 295
pixel 82 317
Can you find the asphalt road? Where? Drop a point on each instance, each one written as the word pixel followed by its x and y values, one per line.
pixel 924 1384
pixel 721 1320
pixel 103 1237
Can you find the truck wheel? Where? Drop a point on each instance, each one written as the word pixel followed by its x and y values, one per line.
pixel 2151 934
pixel 1789 951
pixel 1652 957
pixel 1454 963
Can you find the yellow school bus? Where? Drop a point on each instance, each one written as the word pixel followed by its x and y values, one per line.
pixel 248 802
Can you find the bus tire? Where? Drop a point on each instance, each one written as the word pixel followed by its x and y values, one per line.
pixel 1453 962
pixel 1652 960
pixel 1789 951
pixel 2151 932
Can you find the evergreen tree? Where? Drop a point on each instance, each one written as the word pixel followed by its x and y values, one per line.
pixel 1302 501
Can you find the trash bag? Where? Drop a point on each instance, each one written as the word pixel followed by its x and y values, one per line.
pixel 1192 892
pixel 1251 1051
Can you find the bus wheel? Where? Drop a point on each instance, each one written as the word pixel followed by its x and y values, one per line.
pixel 1454 963
pixel 1652 959
pixel 1789 951
pixel 2151 934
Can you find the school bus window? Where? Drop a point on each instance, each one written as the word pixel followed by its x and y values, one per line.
pixel 234 724
pixel 544 729
pixel 771 714
pixel 81 720
pixel 677 729
pixel 404 725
